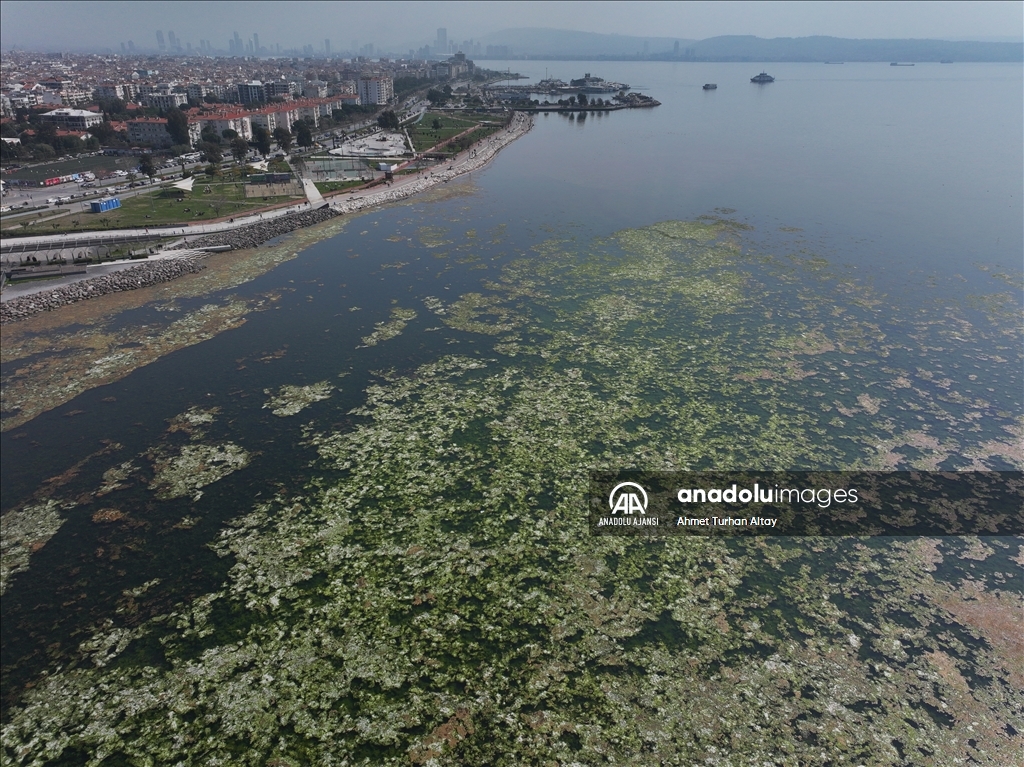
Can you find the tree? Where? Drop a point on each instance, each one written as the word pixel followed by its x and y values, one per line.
pixel 388 120
pixel 582 99
pixel 46 133
pixel 111 107
pixel 177 126
pixel 42 152
pixel 104 131
pixel 147 166
pixel 303 135
pixel 434 96
pixel 437 124
pixel 211 152
pixel 261 138
pixel 229 134
pixel 240 148
pixel 283 137
pixel 210 135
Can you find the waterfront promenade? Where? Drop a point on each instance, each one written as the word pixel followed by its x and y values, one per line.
pixel 244 231
pixel 471 159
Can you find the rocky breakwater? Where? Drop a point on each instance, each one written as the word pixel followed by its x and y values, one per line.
pixel 251 235
pixel 141 276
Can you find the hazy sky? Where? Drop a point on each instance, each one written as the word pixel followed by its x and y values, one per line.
pixel 399 26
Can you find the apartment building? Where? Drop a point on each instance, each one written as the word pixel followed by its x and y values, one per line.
pixel 376 90
pixel 73 119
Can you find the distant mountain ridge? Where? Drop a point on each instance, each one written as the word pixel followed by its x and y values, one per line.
pixel 554 43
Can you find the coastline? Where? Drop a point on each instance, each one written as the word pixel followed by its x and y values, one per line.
pixel 254 232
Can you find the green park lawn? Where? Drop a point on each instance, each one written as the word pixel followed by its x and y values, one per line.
pixel 424 135
pixel 160 207
pixel 337 186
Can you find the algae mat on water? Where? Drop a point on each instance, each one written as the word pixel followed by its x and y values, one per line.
pixel 434 596
pixel 52 358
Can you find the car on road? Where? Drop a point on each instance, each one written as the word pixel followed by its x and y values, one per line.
pixel 52 200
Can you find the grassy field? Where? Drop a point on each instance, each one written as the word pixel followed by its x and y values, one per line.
pixel 35 222
pixel 424 135
pixel 336 186
pixel 163 206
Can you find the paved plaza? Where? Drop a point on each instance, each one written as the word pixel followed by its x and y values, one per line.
pixel 382 144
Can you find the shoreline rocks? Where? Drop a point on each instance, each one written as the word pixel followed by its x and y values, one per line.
pixel 141 276
pixel 251 235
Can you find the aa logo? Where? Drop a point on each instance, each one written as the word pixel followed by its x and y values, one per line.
pixel 629 498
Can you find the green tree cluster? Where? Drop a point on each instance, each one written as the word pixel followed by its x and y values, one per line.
pixel 388 120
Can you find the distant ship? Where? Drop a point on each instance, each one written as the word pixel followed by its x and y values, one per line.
pixel 764 77
pixel 946 61
pixel 897 64
pixel 710 86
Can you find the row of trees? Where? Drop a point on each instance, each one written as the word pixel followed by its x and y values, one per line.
pixel 212 145
pixel 39 141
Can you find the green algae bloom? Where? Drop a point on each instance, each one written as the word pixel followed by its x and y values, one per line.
pixel 24 531
pixel 385 331
pixel 185 473
pixel 290 400
pixel 432 595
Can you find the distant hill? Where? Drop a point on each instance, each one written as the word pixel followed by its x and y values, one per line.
pixel 565 44
pixel 544 43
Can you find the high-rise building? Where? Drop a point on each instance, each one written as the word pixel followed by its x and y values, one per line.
pixel 160 40
pixel 376 90
pixel 255 44
pixel 327 47
pixel 172 41
pixel 251 91
pixel 442 40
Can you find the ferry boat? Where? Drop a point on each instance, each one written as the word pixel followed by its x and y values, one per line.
pixel 898 64
pixel 710 86
pixel 764 77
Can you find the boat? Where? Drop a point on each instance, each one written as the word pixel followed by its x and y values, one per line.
pixel 897 64
pixel 946 61
pixel 710 86
pixel 764 77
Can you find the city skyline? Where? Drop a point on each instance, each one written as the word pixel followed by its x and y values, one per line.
pixel 397 28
